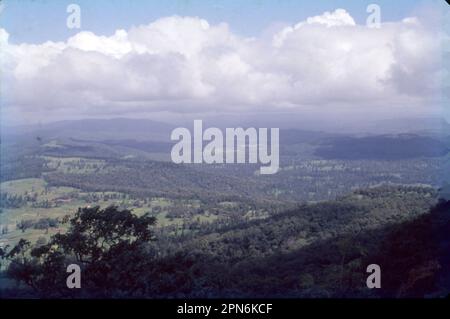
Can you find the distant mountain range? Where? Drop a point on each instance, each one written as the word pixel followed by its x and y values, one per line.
pixel 95 130
pixel 384 147
pixel 425 138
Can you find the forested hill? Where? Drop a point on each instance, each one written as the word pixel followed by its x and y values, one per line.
pixel 284 232
pixel 413 257
pixel 387 147
pixel 316 250
pixel 323 250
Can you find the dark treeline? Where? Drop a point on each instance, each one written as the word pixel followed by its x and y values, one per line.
pixel 385 147
pixel 22 167
pixel 148 178
pixel 41 223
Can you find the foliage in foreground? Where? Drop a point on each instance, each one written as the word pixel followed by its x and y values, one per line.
pixel 110 246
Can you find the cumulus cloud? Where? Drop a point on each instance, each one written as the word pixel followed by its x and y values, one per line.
pixel 185 64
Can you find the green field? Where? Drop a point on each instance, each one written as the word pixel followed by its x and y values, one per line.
pixel 64 201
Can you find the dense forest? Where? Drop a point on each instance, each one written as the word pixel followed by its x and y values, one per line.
pixel 317 250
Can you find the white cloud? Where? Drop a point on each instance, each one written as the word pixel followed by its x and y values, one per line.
pixel 184 64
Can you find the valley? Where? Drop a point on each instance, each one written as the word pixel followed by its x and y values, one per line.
pixel 221 213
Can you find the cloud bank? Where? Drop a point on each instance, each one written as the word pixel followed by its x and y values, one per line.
pixel 185 65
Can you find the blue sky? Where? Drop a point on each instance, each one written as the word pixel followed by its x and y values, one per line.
pixel 36 21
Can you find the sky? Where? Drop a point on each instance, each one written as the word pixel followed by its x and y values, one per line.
pixel 199 57
pixel 35 21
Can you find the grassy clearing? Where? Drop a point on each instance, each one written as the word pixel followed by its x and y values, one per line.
pixel 66 201
pixel 21 186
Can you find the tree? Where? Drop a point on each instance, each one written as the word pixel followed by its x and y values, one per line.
pixel 110 246
pixel 3 253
